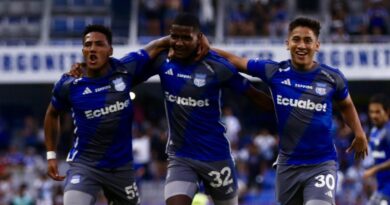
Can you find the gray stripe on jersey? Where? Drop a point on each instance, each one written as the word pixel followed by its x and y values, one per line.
pixel 208 66
pixel 297 123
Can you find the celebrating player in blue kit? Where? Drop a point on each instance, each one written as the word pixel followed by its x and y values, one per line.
pixel 101 156
pixel 303 91
pixel 198 150
pixel 379 111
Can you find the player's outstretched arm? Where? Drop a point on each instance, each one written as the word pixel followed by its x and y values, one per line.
pixel 51 129
pixel 350 116
pixel 260 98
pixel 156 46
pixel 377 168
pixel 239 62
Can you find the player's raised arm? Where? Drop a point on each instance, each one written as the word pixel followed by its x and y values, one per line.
pixel 51 129
pixel 156 46
pixel 239 62
pixel 260 98
pixel 350 116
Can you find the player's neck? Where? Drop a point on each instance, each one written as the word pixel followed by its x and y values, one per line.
pixel 96 73
pixel 381 125
pixel 308 67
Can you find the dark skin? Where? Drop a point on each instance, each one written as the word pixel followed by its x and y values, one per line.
pixel 185 44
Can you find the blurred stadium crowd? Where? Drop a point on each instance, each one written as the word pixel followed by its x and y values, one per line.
pixel 59 22
pixel 23 177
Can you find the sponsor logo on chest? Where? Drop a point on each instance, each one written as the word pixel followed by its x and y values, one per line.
pixel 303 104
pixel 116 107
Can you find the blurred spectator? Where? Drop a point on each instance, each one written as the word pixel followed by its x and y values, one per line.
pixel 353 185
pixel 232 124
pixel 159 156
pixel 150 11
pixel 239 21
pixel 259 16
pixel 279 20
pixel 266 143
pixel 338 33
pixel 6 188
pixel 141 151
pixel 22 197
pixel 28 135
pixel 378 17
pixel 206 16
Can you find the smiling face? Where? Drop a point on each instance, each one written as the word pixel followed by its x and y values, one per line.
pixel 184 41
pixel 303 44
pixel 96 51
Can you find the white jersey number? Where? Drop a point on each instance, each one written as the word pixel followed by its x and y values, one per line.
pixel 327 180
pixel 222 178
pixel 131 191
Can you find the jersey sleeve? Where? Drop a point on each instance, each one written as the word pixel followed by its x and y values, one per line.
pixel 238 83
pixel 341 91
pixel 60 93
pixel 134 63
pixel 263 69
pixel 156 63
pixel 228 75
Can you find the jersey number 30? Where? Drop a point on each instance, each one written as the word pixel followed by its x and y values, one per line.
pixel 327 180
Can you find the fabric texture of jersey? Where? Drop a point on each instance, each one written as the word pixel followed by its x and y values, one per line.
pixel 380 146
pixel 102 112
pixel 193 105
pixel 303 104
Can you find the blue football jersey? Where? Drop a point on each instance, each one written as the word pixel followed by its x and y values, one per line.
pixel 102 112
pixel 380 146
pixel 193 105
pixel 303 105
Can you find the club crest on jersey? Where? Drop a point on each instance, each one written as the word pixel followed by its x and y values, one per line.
pixel 320 89
pixel 119 85
pixel 200 79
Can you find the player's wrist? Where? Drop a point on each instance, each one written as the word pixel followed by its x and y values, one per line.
pixel 51 155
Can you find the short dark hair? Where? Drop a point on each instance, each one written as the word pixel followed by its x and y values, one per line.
pixel 382 99
pixel 313 24
pixel 187 19
pixel 98 28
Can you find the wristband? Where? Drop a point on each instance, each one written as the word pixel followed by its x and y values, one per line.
pixel 51 155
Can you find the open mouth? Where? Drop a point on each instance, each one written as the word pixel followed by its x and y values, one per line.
pixel 301 54
pixel 93 58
